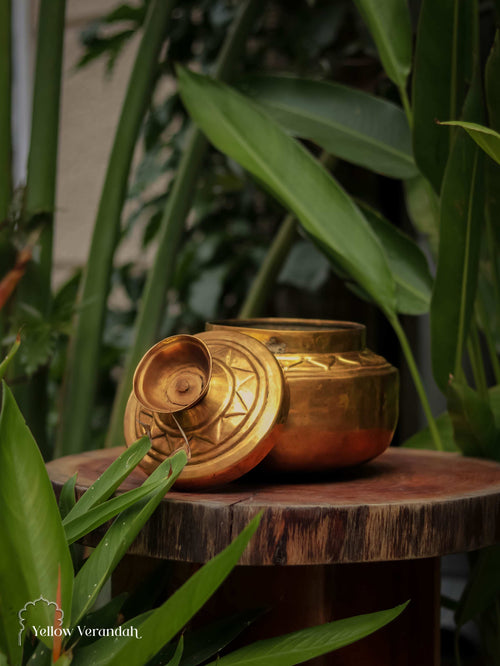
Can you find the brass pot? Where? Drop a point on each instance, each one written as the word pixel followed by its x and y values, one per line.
pixel 342 398
pixel 300 395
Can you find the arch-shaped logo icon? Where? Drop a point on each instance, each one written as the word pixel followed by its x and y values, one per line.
pixel 58 615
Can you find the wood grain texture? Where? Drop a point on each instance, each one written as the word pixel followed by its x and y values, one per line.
pixel 402 505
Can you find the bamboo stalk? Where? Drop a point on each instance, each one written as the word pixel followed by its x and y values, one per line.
pixel 35 286
pixel 270 269
pixel 83 356
pixel 5 112
pixel 5 136
pixel 172 225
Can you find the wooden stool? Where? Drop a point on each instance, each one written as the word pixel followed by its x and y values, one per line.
pixel 364 540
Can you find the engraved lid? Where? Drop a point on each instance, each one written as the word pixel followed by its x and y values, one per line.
pixel 237 399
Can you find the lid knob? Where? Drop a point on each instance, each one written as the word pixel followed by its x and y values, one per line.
pixel 173 375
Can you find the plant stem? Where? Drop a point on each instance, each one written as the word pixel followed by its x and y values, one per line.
pixel 270 269
pixel 5 112
pixel 406 106
pixel 172 225
pixel 275 257
pixel 495 363
pixel 474 349
pixel 405 345
pixel 83 356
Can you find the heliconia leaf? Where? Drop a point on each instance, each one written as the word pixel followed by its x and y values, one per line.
pixel 486 138
pixel 473 422
pixel 442 70
pixel 482 587
pixel 10 355
pixel 491 84
pixel 75 528
pixel 422 205
pixel 166 621
pixel 300 646
pixel 423 438
pixel 34 547
pixel 115 543
pixel 407 263
pixel 111 478
pixel 390 26
pixel 294 177
pixel 67 499
pixel 462 212
pixel 176 659
pixel 357 127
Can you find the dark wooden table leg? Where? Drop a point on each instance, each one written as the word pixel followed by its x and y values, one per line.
pixel 303 596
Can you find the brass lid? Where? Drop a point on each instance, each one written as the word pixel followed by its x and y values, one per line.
pixel 227 426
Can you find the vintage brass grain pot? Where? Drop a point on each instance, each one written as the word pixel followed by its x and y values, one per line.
pixel 299 395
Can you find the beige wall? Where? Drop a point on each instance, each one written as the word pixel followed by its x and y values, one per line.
pixel 91 104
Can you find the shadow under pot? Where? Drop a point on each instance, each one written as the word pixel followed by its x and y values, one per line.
pixel 300 395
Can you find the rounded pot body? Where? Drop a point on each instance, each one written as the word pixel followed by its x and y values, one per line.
pixel 341 400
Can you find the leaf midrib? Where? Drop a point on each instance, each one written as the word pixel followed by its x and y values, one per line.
pixel 347 130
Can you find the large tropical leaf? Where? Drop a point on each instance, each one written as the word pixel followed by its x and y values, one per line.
pixel 407 263
pixel 309 643
pixel 348 123
pixel 462 213
pixel 443 68
pixel 34 551
pixel 111 478
pixel 113 546
pixel 473 420
pixel 482 587
pixel 167 620
pixel 240 129
pixel 486 138
pixel 75 528
pixel 389 24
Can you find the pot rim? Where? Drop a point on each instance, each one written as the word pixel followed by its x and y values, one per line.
pixel 291 335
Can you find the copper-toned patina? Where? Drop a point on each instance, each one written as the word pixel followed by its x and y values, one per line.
pixel 299 394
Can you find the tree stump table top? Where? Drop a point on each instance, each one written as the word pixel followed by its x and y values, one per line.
pixel 405 504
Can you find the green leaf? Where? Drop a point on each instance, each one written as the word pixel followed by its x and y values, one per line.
pixel 462 212
pixel 75 528
pixel 113 546
pixel 10 355
pixel 491 84
pixel 443 68
pixel 167 620
pixel 390 27
pixel 423 438
pixel 34 548
pixel 473 422
pixel 67 499
pixel 111 478
pixel 176 659
pixel 309 643
pixel 305 267
pixel 291 173
pixel 407 263
pixel 348 123
pixel 486 138
pixel 482 587
pixel 204 643
pixel 423 209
